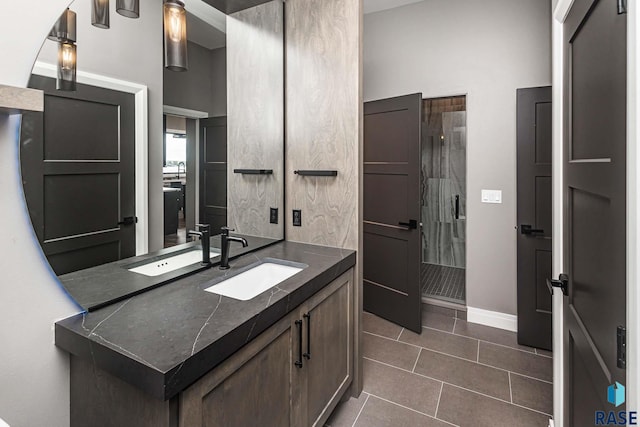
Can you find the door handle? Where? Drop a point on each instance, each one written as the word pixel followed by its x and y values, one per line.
pixel 129 220
pixel 457 206
pixel 527 229
pixel 562 283
pixel 298 362
pixel 307 355
pixel 411 225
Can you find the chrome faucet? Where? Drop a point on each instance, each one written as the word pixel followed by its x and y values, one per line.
pixel 224 246
pixel 203 233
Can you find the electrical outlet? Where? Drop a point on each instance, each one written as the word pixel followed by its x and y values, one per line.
pixel 297 218
pixel 273 215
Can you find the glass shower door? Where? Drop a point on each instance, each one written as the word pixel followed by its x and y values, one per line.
pixel 444 199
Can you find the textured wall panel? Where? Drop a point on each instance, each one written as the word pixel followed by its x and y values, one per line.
pixel 323 119
pixel 255 105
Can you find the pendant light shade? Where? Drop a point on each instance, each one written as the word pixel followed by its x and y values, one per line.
pixel 65 27
pixel 175 36
pixel 128 8
pixel 67 64
pixel 100 13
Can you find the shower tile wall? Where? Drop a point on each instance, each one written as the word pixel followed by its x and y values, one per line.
pixel 444 177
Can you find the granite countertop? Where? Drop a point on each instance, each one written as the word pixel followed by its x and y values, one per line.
pixel 163 340
pixel 106 284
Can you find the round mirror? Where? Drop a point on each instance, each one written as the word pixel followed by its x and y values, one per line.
pixel 129 156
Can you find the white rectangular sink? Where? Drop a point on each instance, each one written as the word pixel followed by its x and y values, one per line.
pixel 254 281
pixel 169 264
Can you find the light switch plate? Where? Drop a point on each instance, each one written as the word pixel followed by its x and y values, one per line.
pixel 491 196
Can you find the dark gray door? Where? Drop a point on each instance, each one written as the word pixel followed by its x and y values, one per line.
pixel 392 209
pixel 595 196
pixel 534 216
pixel 213 173
pixel 77 162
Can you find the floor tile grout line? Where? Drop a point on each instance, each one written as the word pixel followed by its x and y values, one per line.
pixel 487 341
pixel 361 409
pixel 401 331
pixel 510 389
pixel 498 399
pixel 534 352
pixel 439 397
pixel 453 385
pixel 531 378
pixel 417 358
pixel 542 355
pixel 456 357
pixel 478 355
pixel 455 321
pixel 410 409
pixel 382 336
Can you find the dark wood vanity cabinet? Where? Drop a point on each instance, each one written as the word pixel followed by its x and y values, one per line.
pixel 261 384
pixel 293 374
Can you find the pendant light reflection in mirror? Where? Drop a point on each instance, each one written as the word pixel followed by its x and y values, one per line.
pixel 175 36
pixel 100 13
pixel 64 32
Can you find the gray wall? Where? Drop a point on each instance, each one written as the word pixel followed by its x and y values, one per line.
pixel 486 50
pixel 255 123
pixel 34 386
pixel 206 76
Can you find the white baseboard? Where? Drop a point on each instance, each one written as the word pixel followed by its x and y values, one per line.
pixel 551 424
pixel 492 318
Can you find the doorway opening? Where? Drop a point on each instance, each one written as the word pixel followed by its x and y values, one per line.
pixel 443 199
pixel 174 180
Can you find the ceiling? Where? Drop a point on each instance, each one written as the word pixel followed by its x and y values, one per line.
pixel 203 34
pixel 207 25
pixel 371 6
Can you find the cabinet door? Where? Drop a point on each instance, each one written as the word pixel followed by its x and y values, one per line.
pixel 253 387
pixel 330 339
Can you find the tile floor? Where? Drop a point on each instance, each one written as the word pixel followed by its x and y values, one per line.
pixel 454 374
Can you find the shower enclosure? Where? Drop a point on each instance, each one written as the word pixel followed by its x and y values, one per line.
pixel 444 196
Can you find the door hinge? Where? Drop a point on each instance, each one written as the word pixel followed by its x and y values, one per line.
pixel 622 7
pixel 622 347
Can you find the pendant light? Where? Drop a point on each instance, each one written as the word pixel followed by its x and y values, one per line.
pixel 65 27
pixel 128 8
pixel 64 32
pixel 175 36
pixel 67 64
pixel 100 13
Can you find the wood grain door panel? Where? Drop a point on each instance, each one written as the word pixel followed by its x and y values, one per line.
pixel 329 367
